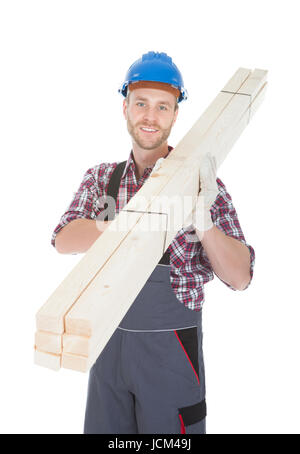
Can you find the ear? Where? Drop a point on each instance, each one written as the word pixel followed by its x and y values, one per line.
pixel 175 116
pixel 125 109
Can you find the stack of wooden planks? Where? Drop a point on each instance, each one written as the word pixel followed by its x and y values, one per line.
pixel 80 316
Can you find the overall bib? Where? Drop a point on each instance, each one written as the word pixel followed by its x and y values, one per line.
pixel 149 378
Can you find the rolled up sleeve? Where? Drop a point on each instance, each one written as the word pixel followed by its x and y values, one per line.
pixel 224 216
pixel 83 204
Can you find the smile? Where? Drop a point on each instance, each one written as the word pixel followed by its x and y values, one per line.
pixel 149 130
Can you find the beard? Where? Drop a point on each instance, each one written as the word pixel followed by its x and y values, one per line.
pixel 148 143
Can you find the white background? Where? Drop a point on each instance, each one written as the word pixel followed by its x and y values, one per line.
pixel 61 65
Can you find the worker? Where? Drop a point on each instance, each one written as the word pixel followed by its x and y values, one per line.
pixel 149 378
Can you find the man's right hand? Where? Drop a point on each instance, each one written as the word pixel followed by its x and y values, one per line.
pixel 79 235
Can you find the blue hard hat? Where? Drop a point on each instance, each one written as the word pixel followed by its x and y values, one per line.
pixel 155 67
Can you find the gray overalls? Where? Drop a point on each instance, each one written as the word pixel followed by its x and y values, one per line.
pixel 149 379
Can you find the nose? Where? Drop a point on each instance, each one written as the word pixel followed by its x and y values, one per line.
pixel 150 115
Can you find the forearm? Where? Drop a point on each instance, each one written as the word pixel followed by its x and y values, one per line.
pixel 79 235
pixel 229 257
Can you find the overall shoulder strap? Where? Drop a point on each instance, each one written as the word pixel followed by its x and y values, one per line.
pixel 113 187
pixel 115 179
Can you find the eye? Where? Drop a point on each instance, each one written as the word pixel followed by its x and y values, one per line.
pixel 140 104
pixel 162 108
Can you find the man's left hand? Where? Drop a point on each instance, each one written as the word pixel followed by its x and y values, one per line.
pixel 207 195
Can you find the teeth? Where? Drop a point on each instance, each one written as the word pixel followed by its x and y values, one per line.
pixel 148 129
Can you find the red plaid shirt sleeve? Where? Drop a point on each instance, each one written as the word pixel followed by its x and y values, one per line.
pixel 224 216
pixel 190 265
pixel 85 203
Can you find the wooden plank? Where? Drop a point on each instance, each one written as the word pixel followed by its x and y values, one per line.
pixel 255 104
pixel 51 315
pixel 233 133
pixel 237 80
pixel 48 342
pixel 84 318
pixel 212 141
pixel 88 316
pixel 75 362
pixel 48 360
pixel 78 345
pixel 182 167
pixel 91 347
pixel 254 83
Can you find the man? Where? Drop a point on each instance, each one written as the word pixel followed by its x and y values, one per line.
pixel 150 376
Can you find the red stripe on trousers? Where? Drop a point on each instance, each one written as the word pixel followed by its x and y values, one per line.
pixel 182 428
pixel 187 356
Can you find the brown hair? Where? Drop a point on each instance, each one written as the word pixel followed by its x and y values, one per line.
pixel 158 85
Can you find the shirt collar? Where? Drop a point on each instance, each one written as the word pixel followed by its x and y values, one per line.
pixel 130 165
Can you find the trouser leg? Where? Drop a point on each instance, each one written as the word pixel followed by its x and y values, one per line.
pixel 110 404
pixel 170 388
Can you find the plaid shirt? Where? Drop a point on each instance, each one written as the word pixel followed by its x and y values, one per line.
pixel 190 266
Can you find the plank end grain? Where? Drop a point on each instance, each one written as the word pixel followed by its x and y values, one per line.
pixel 48 360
